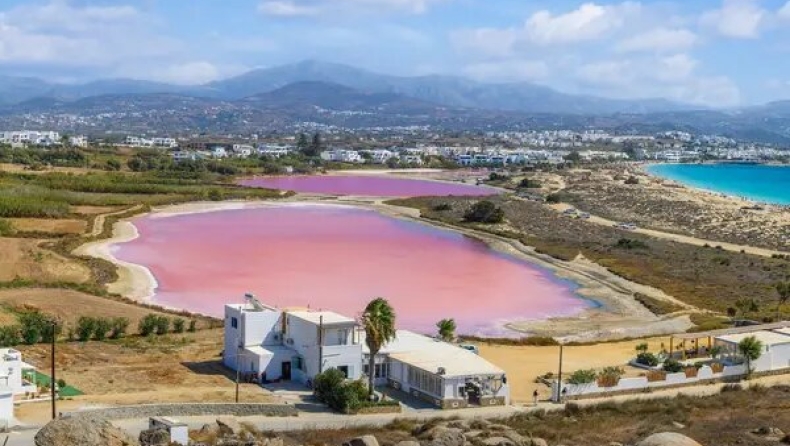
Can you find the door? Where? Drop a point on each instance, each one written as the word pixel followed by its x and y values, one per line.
pixel 286 371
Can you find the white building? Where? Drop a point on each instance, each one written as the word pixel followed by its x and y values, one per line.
pixel 219 152
pixel 78 141
pixel 776 348
pixel 12 369
pixel 342 156
pixel 24 137
pixel 273 344
pixel 242 150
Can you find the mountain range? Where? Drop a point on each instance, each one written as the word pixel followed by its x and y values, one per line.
pixel 445 90
pixel 340 95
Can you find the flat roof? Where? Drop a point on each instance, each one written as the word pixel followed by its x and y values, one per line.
pixel 765 336
pixel 329 317
pixel 431 354
pixel 268 350
pixel 732 330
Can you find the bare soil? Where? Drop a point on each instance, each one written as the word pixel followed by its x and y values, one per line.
pixel 49 225
pixel 23 258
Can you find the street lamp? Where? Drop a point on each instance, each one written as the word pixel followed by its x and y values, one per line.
pixel 53 379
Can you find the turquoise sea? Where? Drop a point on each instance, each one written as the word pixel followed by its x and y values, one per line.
pixel 770 184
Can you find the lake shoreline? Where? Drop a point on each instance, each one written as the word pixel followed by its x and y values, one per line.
pixel 619 316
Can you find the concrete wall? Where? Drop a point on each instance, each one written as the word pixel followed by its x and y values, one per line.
pixel 641 383
pixel 6 408
pixel 780 356
pixel 303 337
pixel 189 410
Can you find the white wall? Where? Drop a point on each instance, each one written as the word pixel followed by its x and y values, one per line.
pixel 304 339
pixel 780 356
pixel 6 407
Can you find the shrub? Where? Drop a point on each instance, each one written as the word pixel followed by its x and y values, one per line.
pixel 554 198
pixel 527 183
pixel 162 325
pixel 484 212
pixel 647 359
pixel 6 228
pixel 119 327
pixel 582 376
pixel 610 376
pixel 9 336
pixel 32 327
pixel 672 366
pixel 61 383
pixel 192 326
pixel 86 326
pixel 627 243
pixel 632 180
pixel 147 325
pixel 101 327
pixel 332 388
pixel 443 207
pixel 178 325
pixel 497 177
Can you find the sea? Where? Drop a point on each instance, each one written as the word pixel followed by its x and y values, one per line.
pixel 758 182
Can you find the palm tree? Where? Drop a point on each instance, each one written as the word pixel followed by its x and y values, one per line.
pixel 751 348
pixel 446 329
pixel 783 291
pixel 379 322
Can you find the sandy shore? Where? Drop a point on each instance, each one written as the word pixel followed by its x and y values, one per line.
pixel 618 316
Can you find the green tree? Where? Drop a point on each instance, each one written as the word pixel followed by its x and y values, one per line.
pixel 32 327
pixel 747 306
pixel 86 326
pixel 302 143
pixel 446 329
pixel 101 328
pixel 119 327
pixel 484 212
pixel 783 293
pixel 113 164
pixel 751 348
pixel 178 325
pixel 9 336
pixel 162 325
pixel 642 348
pixel 378 319
pixel 573 157
pixel 147 325
pixel 192 326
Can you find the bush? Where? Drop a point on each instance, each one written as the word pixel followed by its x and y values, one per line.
pixel 61 383
pixel 147 325
pixel 647 359
pixel 527 183
pixel 178 325
pixel 332 389
pixel 192 326
pixel 101 327
pixel 583 376
pixel 627 243
pixel 632 180
pixel 484 212
pixel 86 326
pixel 9 336
pixel 497 177
pixel 443 207
pixel 6 228
pixel 162 325
pixel 32 327
pixel 554 198
pixel 672 366
pixel 119 327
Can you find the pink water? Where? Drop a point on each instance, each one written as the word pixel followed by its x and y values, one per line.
pixel 368 185
pixel 339 258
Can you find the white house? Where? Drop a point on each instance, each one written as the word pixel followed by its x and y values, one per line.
pixel 219 152
pixel 242 150
pixel 342 156
pixel 272 344
pixel 12 369
pixel 776 348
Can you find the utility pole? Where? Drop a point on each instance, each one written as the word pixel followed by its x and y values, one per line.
pixel 559 379
pixel 53 381
pixel 238 371
pixel 320 344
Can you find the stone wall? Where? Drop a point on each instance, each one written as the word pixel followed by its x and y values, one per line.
pixel 190 410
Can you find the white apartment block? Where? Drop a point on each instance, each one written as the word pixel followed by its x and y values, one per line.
pixel 283 345
pixel 242 150
pixel 135 141
pixel 342 156
pixel 25 137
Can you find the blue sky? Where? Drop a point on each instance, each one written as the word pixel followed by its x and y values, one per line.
pixel 711 52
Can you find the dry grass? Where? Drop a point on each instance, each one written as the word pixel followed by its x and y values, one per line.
pixel 93 210
pixel 173 368
pixel 23 258
pixel 64 304
pixel 48 225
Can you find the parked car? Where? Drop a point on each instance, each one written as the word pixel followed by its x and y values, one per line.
pixel 471 347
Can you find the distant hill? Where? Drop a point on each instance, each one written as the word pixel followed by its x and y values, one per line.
pixel 442 90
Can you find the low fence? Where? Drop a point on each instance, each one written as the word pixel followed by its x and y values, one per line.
pixel 189 410
pixel 655 381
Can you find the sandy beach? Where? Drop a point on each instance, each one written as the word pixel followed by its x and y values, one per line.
pixel 618 316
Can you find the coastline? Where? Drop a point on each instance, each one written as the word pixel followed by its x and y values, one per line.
pixel 619 315
pixel 646 168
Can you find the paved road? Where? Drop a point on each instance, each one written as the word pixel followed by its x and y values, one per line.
pixel 323 420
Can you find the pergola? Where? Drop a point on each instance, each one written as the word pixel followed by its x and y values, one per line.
pixel 710 334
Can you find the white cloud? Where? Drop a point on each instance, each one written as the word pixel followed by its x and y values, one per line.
pixel 589 21
pixel 784 12
pixel 330 8
pixel 658 40
pixel 61 34
pixel 672 77
pixel 739 19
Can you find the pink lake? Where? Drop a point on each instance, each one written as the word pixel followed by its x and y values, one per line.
pixel 368 185
pixel 339 258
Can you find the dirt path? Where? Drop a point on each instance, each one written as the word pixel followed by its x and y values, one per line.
pixel 561 207
pixel 98 222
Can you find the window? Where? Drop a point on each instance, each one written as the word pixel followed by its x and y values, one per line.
pixel 234 322
pixel 342 337
pixel 424 381
pixel 298 363
pixel 344 370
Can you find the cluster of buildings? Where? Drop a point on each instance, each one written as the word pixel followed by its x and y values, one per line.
pixel 136 141
pixel 271 344
pixel 16 380
pixel 46 138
